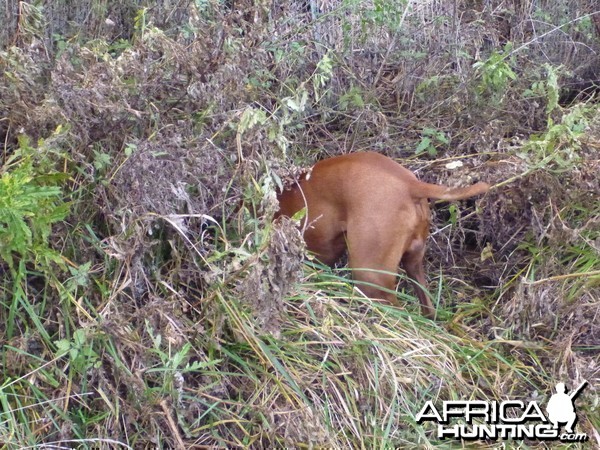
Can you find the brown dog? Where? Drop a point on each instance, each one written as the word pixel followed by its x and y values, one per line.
pixel 378 210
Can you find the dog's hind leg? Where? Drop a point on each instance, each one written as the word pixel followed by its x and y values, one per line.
pixel 412 261
pixel 374 257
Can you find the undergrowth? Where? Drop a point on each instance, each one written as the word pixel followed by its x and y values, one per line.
pixel 148 300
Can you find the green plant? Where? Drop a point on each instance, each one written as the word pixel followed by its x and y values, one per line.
pixel 140 22
pixel 387 13
pixel 353 98
pixel 30 203
pixel 495 72
pixel 102 161
pixel 322 75
pixel 547 88
pixel 557 147
pixel 430 140
pixel 174 362
pixel 290 109
pixel 79 349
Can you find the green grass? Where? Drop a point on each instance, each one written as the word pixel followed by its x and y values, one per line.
pixel 125 326
pixel 344 371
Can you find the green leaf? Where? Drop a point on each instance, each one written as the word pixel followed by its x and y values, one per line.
pixel 62 347
pixel 293 104
pixel 300 214
pixel 423 145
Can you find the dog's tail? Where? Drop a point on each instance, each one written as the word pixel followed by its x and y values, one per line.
pixel 437 192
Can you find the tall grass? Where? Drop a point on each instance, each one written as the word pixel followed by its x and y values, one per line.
pixel 148 301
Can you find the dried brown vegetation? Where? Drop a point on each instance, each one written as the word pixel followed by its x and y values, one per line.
pixel 164 309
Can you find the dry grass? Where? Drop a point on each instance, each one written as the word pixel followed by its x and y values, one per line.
pixel 167 310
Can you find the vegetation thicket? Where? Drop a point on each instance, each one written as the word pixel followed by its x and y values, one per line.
pixel 147 300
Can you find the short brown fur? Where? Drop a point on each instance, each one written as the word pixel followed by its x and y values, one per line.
pixel 378 210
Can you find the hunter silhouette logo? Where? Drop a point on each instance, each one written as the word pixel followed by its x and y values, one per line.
pixel 560 407
pixel 509 419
